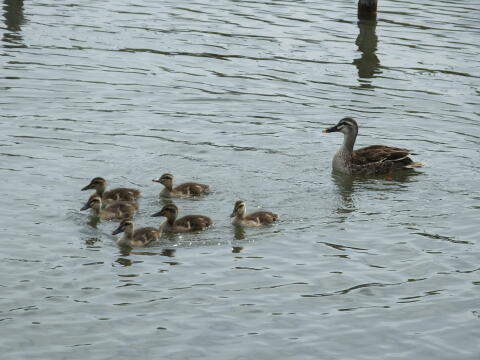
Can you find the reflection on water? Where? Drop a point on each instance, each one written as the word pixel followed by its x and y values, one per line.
pixel 238 232
pixel 348 185
pixel 13 14
pixel 345 188
pixel 368 63
pixel 127 251
pixel 93 221
pixel 237 249
pixel 168 252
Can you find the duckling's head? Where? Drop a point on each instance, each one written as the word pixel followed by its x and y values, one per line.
pixel 165 179
pixel 346 126
pixel 239 209
pixel 125 224
pixel 169 211
pixel 97 183
pixel 94 202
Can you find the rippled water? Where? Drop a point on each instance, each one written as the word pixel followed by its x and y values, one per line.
pixel 235 94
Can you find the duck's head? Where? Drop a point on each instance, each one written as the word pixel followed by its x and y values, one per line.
pixel 125 224
pixel 346 126
pixel 169 211
pixel 94 202
pixel 97 183
pixel 165 179
pixel 239 209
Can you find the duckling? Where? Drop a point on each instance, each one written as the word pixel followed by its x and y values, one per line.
pixel 375 159
pixel 184 224
pixel 109 212
pixel 188 189
pixel 111 202
pixel 257 218
pixel 138 237
pixel 125 194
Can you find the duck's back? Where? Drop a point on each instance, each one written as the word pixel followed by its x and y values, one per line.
pixel 121 209
pixel 262 217
pixel 194 222
pixel 378 159
pixel 376 153
pixel 146 235
pixel 124 194
pixel 192 188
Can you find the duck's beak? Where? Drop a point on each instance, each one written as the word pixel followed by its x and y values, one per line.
pixel 89 186
pixel 156 180
pixel 233 214
pixel 117 231
pixel 85 207
pixel 160 213
pixel 332 129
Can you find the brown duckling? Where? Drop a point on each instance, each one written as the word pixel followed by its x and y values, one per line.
pixel 110 202
pixel 125 194
pixel 375 159
pixel 113 211
pixel 184 224
pixel 188 189
pixel 136 237
pixel 257 218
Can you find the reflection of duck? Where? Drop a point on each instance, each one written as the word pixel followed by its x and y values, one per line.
pixel 184 224
pixel 375 159
pixel 257 218
pixel 138 237
pixel 239 232
pixel 99 184
pixel 183 190
pixel 117 210
pixel 345 189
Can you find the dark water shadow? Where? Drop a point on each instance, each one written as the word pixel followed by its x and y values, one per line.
pixel 368 63
pixel 13 19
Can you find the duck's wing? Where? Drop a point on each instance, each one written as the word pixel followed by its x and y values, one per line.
pixel 378 153
pixel 191 188
pixel 122 203
pixel 146 235
pixel 121 209
pixel 262 217
pixel 194 222
pixel 124 194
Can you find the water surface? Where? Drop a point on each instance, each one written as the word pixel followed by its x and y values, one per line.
pixel 235 94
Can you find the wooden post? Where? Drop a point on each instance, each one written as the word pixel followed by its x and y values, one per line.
pixel 367 9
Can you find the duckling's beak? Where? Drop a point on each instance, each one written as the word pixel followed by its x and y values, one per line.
pixel 233 214
pixel 332 129
pixel 156 180
pixel 160 213
pixel 117 231
pixel 89 186
pixel 85 207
